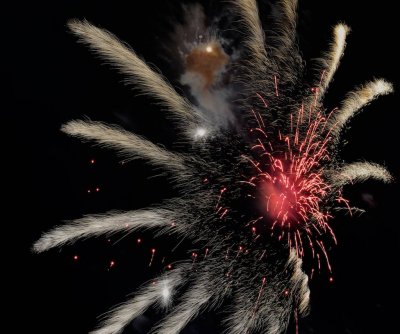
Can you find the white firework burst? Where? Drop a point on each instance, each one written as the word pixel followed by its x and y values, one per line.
pixel 261 178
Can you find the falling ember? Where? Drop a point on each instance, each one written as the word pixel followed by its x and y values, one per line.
pixel 260 293
pixel 76 258
pixel 194 257
pixel 153 251
pixel 112 264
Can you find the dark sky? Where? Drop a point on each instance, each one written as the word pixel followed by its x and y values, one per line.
pixel 49 79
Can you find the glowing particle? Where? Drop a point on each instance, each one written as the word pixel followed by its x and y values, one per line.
pixel 97 189
pixel 153 251
pixel 112 264
pixel 139 240
pixel 260 293
pixel 194 257
pixel 92 161
pixel 200 133
pixel 76 257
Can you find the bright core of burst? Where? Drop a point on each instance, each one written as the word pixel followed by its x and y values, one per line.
pixel 200 133
pixel 166 294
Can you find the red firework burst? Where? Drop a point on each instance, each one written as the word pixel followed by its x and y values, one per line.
pixel 289 179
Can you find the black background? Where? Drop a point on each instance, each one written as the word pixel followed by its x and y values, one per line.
pixel 49 79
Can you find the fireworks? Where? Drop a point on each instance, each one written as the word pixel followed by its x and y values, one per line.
pixel 259 180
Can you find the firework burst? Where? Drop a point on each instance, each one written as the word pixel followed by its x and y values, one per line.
pixel 260 178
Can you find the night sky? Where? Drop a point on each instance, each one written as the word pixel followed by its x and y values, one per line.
pixel 49 79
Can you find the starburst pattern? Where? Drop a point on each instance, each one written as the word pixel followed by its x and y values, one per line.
pixel 259 183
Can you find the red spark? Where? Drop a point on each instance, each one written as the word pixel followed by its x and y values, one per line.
pixel 92 161
pixel 259 294
pixel 219 197
pixel 76 258
pixel 112 264
pixel 194 257
pixel 139 240
pixel 296 318
pixel 224 213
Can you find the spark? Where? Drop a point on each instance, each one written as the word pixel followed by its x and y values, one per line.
pixel 153 251
pixel 276 85
pixel 260 293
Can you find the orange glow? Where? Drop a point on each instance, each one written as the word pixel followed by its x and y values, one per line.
pixel 207 60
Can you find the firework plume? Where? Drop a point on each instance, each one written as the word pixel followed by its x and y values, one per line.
pixel 259 181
